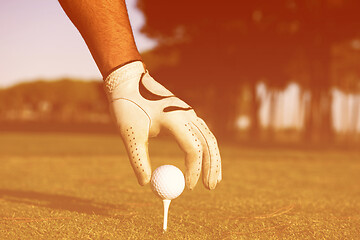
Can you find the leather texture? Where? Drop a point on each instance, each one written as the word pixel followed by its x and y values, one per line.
pixel 142 107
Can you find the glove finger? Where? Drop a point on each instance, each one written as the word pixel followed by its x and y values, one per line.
pixel 134 126
pixel 213 147
pixel 211 155
pixel 188 141
pixel 137 149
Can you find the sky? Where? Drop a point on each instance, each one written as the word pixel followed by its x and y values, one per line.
pixel 38 41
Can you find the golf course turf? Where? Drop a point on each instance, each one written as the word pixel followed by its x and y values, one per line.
pixel 81 186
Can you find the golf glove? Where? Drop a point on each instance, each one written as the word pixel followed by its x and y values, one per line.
pixel 142 107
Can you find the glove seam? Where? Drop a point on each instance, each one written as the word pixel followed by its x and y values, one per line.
pixel 138 107
pixel 208 149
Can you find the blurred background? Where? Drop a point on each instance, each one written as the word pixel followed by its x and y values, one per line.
pixel 259 72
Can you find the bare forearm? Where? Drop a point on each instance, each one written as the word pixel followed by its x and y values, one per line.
pixel 105 27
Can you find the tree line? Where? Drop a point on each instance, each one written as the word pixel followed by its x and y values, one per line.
pixel 222 48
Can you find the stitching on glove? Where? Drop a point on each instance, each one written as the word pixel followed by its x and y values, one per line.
pixel 134 151
pixel 215 143
pixel 208 149
pixel 196 142
pixel 147 94
pixel 137 106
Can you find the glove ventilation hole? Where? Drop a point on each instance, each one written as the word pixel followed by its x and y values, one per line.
pixel 196 143
pixel 134 152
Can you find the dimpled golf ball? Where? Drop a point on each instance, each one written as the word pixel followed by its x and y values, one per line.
pixel 167 182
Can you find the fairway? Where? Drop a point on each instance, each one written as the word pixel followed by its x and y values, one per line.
pixel 81 186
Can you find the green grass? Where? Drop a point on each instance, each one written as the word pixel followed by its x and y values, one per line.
pixel 74 186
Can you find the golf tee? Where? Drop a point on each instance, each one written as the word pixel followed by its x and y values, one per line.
pixel 166 204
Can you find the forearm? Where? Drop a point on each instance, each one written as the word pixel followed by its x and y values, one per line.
pixel 105 27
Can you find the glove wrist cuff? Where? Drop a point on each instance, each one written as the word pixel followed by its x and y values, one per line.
pixel 123 73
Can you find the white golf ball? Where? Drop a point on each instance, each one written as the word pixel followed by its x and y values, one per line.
pixel 167 182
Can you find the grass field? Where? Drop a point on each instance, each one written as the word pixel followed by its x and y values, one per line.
pixel 78 186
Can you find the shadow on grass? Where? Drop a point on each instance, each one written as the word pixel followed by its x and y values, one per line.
pixel 60 202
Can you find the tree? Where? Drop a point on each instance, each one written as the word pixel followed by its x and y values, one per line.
pixel 233 43
pixel 323 24
pixel 221 47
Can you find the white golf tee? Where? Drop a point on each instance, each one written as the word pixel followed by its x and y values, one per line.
pixel 166 204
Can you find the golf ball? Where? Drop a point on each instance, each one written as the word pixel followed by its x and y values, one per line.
pixel 167 182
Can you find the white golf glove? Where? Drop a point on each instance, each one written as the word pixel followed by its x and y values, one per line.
pixel 141 107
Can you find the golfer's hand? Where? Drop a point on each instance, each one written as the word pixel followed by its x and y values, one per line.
pixel 142 107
